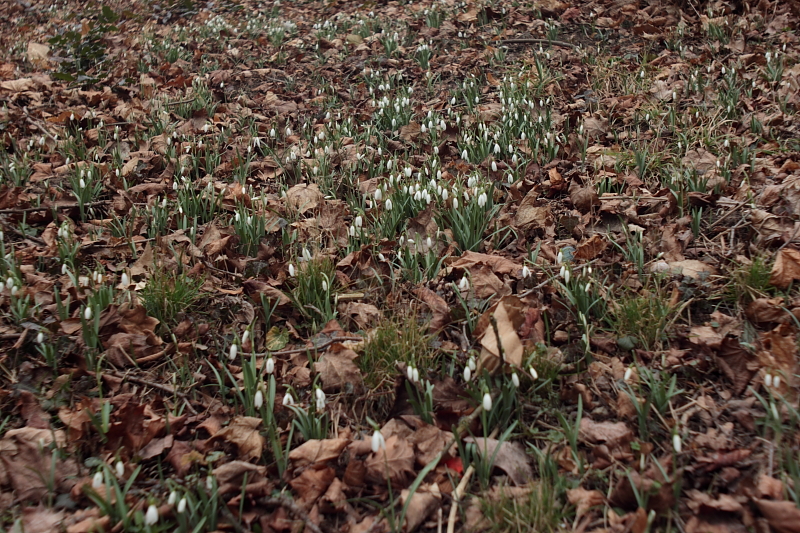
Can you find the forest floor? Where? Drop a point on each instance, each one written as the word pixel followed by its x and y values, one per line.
pixel 399 266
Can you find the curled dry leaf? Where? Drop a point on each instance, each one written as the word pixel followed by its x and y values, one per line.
pixel 338 371
pixel 304 197
pixel 510 457
pixel 786 268
pixel 509 341
pixel 243 431
pixel 317 451
pixel 396 461
pixel 584 500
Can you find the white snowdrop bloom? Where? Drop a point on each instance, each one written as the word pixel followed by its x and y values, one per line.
pixel 97 480
pixel 526 272
pixel 288 131
pixel 445 194
pixel 415 375
pixel 14 290
pixel 82 183
pixel 151 517
pixel 423 129
pixel 768 380
pixel 534 373
pixel 120 468
pixel 320 397
pixel 494 166
pixel 628 374
pixel 245 336
pixel 472 364
pixel 378 442
pixel 463 285
pixel 307 254
pixel 182 505
pixel 378 194
pixel 464 154
pixel 258 399
pixel 40 338
pixel 352 231
pixel 515 379
pixel 87 313
pixel 381 257
pixel 487 402
pixel 455 203
pixel 510 179
pixel 270 365
pixel 233 352
pixel 291 270
pixel 496 148
pixel 676 443
pixel 324 285
pixel 482 199
pixel 453 101
pixel 566 276
pixel 776 382
pixel 359 221
pixel 407 172
pixel 410 373
pixel 287 399
pixel 467 374
pixel 388 204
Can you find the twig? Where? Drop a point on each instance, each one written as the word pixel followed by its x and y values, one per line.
pixel 36 123
pixel 537 41
pixel 293 508
pixel 159 386
pixel 180 102
pixel 14 210
pixel 212 267
pixel 304 350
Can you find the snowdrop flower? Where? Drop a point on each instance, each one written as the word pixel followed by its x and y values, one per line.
pixel 566 275
pixel 320 396
pixel 258 399
pixel 151 517
pixel 464 154
pixel 463 285
pixel 97 480
pixel 526 272
pixel 378 194
pixel 455 203
pixel 245 336
pixel 768 380
pixel 628 374
pixel 234 352
pixel 359 221
pixel 515 379
pixel 388 204
pixel 324 285
pixel 120 468
pixel 776 381
pixel 378 442
pixel 87 313
pixel 467 374
pixel 407 172
pixel 270 365
pixel 534 373
pixel 40 338
pixel 291 270
pixel 381 257
pixel 287 399
pixel 487 402
pixel 494 166
pixel 472 364
pixel 676 443
pixel 306 254
pixel 173 496
pixel 182 505
pixel 482 199
pixel 415 375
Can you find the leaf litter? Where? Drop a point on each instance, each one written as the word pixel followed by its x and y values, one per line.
pixel 214 217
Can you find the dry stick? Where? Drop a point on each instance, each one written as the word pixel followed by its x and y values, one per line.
pixel 459 492
pixel 48 207
pixel 536 41
pixel 36 123
pixel 293 508
pixel 304 350
pixel 179 102
pixel 159 386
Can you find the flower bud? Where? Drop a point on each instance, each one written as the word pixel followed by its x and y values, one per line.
pixel 487 402
pixel 270 366
pixel 234 352
pixel 151 517
pixel 258 399
pixel 182 505
pixel 97 480
pixel 378 442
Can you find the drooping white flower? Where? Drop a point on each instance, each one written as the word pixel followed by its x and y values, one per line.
pixel 676 443
pixel 388 204
pixel 245 336
pixel 378 442
pixel 320 397
pixel 378 194
pixel 270 365
pixel 120 468
pixel 526 272
pixel 515 379
pixel 487 402
pixel 40 338
pixel 482 199
pixel 182 505
pixel 291 270
pixel 628 374
pixel 151 517
pixel 324 286
pixel 534 373
pixel 463 285
pixel 467 374
pixel 233 352
pixel 287 399
pixel 173 497
pixel 776 381
pixel 258 399
pixel 97 480
pixel 87 313
pixel 768 380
